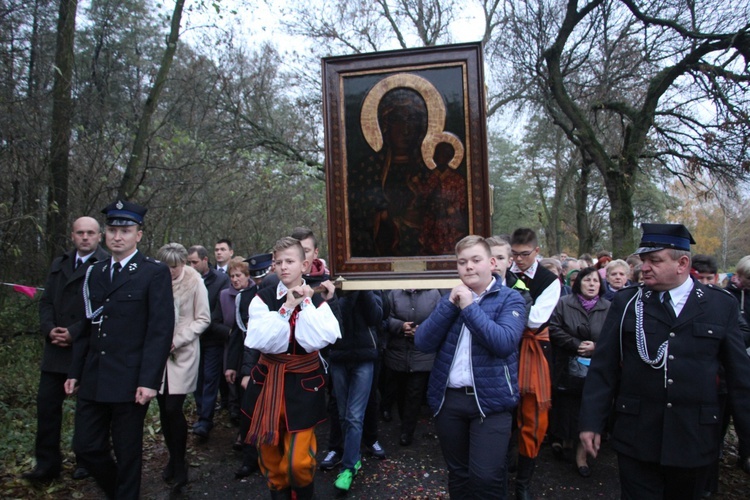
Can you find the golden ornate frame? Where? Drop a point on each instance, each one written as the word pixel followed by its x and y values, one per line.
pixel 450 81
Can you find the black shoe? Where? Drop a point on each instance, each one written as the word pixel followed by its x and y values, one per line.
pixel 80 473
pixel 245 471
pixel 238 443
pixel 201 431
pixel 180 480
pixel 584 471
pixel 557 451
pixel 405 439
pixel 386 414
pixel 168 473
pixel 38 475
pixel 332 459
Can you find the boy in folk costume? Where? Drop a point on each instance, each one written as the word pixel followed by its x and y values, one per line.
pixel 288 324
pixel 533 376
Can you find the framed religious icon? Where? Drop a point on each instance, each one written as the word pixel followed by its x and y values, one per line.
pixel 406 160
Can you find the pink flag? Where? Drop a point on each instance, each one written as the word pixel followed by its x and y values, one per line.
pixel 29 291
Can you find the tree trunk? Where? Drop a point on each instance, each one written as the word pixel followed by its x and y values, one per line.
pixel 133 175
pixel 585 238
pixel 620 192
pixel 62 109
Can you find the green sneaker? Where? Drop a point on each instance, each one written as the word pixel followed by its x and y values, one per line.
pixel 346 477
pixel 344 480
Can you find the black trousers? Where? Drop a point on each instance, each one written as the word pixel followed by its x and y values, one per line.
pixel 410 390
pixel 49 415
pixel 173 426
pixel 474 448
pixel 651 481
pixel 247 407
pixel 95 423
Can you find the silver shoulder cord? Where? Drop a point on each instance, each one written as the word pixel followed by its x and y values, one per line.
pixel 237 315
pixel 660 361
pixel 87 299
pixel 323 362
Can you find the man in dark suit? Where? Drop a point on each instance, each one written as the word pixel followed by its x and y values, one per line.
pixel 213 341
pixel 658 360
pixel 223 252
pixel 61 317
pixel 119 356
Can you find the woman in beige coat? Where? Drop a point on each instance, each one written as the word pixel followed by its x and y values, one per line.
pixel 192 317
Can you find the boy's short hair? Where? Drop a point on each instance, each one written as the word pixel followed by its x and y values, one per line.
pixel 225 240
pixel 497 241
pixel 302 233
pixel 524 236
pixel 705 264
pixel 288 242
pixel 470 241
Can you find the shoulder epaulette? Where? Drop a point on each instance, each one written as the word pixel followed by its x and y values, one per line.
pixel 719 289
pixel 633 286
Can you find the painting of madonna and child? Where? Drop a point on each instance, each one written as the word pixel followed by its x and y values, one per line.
pixel 411 160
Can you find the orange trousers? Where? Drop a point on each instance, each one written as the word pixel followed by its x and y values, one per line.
pixel 532 426
pixel 291 463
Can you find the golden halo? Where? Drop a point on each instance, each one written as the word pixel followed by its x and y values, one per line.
pixel 435 117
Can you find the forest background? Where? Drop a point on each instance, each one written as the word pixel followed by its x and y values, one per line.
pixel 601 115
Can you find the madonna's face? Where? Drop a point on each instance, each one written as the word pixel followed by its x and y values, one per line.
pixel 403 120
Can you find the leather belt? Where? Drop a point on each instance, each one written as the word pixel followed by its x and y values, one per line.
pixel 468 390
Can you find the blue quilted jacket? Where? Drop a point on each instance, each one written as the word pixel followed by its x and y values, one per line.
pixel 496 323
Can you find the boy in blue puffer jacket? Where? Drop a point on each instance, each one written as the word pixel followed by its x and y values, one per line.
pixel 475 332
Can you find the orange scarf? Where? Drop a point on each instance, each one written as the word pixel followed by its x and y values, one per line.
pixel 264 428
pixel 533 371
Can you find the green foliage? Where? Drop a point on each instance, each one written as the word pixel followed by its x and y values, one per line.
pixel 18 313
pixel 514 202
pixel 19 362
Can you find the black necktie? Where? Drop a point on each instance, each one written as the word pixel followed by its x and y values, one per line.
pixel 666 300
pixel 115 271
pixel 78 263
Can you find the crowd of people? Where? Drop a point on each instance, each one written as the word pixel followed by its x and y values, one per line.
pixel 648 351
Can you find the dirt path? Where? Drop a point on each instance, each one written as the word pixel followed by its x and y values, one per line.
pixel 414 472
